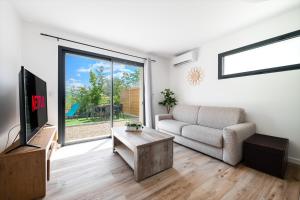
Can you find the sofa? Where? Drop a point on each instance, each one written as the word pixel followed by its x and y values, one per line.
pixel 216 131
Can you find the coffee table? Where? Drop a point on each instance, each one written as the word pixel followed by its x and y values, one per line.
pixel 147 152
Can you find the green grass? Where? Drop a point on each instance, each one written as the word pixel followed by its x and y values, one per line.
pixel 81 121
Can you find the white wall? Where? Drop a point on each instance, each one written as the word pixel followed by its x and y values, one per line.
pixel 10 62
pixel 272 100
pixel 41 57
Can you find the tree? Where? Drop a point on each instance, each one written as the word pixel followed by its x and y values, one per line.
pixel 117 88
pixel 131 79
pixel 96 89
pixel 83 97
pixel 70 97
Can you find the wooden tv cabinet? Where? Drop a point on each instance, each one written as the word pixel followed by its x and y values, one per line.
pixel 24 172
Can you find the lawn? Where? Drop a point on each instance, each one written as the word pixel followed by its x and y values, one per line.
pixel 85 120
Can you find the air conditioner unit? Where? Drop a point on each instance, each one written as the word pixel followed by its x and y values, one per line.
pixel 184 58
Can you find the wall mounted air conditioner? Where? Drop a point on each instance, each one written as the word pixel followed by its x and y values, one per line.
pixel 190 56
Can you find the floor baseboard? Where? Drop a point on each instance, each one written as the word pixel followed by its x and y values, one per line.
pixel 294 160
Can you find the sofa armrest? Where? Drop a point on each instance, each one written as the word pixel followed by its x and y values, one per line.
pixel 163 116
pixel 160 117
pixel 233 137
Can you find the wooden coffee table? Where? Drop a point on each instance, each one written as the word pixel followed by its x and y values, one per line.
pixel 147 152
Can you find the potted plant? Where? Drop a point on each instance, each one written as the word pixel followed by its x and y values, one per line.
pixel 169 99
pixel 134 126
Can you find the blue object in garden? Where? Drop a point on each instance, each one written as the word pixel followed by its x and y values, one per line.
pixel 73 110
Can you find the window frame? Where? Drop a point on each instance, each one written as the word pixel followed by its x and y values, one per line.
pixel 273 40
pixel 62 51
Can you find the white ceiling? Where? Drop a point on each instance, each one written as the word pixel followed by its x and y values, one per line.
pixel 162 27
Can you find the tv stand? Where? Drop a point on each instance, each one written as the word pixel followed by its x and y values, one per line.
pixel 24 170
pixel 22 145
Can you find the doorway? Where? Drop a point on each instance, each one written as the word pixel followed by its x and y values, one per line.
pixel 96 93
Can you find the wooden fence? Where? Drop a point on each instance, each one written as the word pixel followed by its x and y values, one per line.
pixel 130 99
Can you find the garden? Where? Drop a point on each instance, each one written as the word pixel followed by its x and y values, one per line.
pixel 92 103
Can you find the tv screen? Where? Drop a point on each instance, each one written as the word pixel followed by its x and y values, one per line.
pixel 33 104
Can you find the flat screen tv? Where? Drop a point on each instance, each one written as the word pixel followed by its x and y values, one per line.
pixel 33 105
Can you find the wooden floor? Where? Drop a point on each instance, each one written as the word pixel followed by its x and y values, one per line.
pixel 92 171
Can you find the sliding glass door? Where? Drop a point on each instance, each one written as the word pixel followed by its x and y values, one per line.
pixel 97 92
pixel 128 98
pixel 87 100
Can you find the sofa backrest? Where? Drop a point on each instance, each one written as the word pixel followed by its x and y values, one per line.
pixel 220 117
pixel 186 113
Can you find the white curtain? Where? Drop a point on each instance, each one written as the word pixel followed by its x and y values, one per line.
pixel 148 93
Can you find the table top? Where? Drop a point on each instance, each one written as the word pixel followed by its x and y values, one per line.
pixel 42 139
pixel 145 137
pixel 268 141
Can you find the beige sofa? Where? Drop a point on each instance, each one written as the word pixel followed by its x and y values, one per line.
pixel 215 131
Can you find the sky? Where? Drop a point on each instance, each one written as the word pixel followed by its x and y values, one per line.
pixel 78 69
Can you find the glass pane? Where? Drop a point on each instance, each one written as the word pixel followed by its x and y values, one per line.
pixel 127 94
pixel 88 102
pixel 278 54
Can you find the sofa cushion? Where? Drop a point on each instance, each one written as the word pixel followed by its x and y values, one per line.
pixel 206 135
pixel 220 117
pixel 172 126
pixel 186 113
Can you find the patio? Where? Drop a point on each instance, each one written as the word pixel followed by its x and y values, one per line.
pixel 90 130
